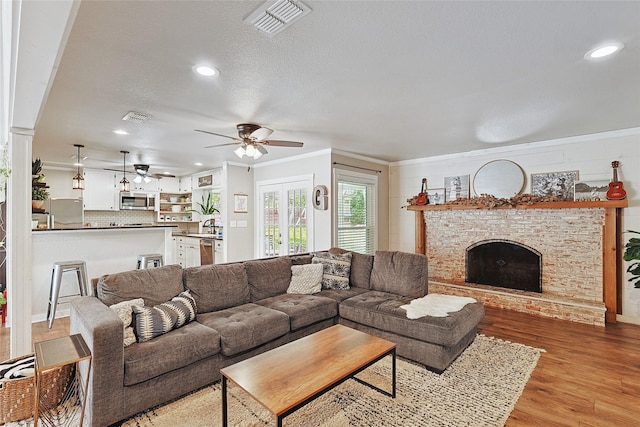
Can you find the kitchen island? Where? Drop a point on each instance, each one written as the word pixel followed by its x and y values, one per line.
pixel 104 249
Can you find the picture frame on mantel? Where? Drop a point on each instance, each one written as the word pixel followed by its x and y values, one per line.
pixel 590 190
pixel 554 184
pixel 436 196
pixel 240 203
pixel 456 187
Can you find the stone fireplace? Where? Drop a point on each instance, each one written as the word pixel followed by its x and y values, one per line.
pixel 568 248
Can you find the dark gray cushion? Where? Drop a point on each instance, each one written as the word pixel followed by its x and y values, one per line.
pixel 245 327
pixel 300 259
pixel 381 310
pixel 401 273
pixel 216 287
pixel 171 351
pixel 303 310
pixel 154 285
pixel 268 277
pixel 361 265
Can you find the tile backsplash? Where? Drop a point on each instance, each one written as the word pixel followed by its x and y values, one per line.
pixel 107 218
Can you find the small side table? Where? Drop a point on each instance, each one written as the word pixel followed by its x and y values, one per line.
pixel 54 354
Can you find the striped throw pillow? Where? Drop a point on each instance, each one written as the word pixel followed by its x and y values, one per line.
pixel 151 322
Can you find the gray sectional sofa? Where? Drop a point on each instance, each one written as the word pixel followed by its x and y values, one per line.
pixel 243 309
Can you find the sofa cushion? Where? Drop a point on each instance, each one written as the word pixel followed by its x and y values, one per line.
pixel 340 295
pixel 124 310
pixel 154 285
pixel 361 265
pixel 171 351
pixel 303 310
pixel 246 326
pixel 400 273
pixel 151 322
pixel 381 310
pixel 301 259
pixel 305 279
pixel 336 269
pixel 216 287
pixel 268 277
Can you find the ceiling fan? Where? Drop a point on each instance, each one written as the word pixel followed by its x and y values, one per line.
pixel 142 173
pixel 252 139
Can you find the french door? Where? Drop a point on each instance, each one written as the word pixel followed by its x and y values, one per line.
pixel 286 218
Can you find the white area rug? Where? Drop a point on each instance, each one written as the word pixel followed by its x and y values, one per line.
pixel 480 388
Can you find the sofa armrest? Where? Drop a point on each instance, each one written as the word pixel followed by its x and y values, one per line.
pixel 103 332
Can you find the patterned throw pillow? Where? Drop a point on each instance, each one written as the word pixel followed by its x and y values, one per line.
pixel 124 311
pixel 306 279
pixel 151 322
pixel 336 269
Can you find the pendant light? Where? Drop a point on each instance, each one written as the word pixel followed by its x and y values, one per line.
pixel 124 183
pixel 78 180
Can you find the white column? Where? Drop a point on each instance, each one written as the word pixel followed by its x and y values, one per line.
pixel 19 241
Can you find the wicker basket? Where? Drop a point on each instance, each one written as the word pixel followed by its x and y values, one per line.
pixel 17 397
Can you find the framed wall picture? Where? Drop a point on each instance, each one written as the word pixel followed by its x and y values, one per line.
pixel 554 184
pixel 240 203
pixel 456 187
pixel 205 181
pixel 436 196
pixel 590 190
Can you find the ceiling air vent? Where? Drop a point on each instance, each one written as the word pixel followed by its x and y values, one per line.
pixel 273 17
pixel 132 116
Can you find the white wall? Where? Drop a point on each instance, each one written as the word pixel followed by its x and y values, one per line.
pixel 591 155
pixel 59 182
pixel 238 241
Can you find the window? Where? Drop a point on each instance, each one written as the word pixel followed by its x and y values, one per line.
pixel 356 211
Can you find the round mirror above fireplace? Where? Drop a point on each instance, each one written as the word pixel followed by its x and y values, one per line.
pixel 499 178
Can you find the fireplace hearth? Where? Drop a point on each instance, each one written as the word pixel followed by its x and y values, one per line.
pixel 504 263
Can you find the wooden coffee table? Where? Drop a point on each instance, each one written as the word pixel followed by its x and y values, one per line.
pixel 288 377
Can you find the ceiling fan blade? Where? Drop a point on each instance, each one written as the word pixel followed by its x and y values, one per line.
pixel 260 134
pixel 279 143
pixel 223 145
pixel 261 148
pixel 161 175
pixel 218 134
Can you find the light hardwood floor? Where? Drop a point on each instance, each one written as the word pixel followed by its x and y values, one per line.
pixel 588 377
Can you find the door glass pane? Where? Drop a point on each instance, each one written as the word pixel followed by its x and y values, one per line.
pixel 297 220
pixel 356 215
pixel 270 206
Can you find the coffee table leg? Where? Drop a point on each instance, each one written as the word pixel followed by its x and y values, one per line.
pixel 224 401
pixel 393 373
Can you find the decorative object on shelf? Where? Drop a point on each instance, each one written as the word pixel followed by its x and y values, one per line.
pixel 502 178
pixel 590 190
pixel 78 180
pixel 489 201
pixel 240 203
pixel 632 253
pixel 39 191
pixel 436 196
pixel 124 182
pixel 207 206
pixel 456 187
pixel 205 181
pixel 554 183
pixel 616 189
pixel 422 195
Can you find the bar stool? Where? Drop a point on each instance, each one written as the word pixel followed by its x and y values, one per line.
pixel 144 260
pixel 56 281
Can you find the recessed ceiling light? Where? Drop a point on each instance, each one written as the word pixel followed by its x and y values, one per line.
pixel 205 70
pixel 121 132
pixel 605 50
pixel 197 164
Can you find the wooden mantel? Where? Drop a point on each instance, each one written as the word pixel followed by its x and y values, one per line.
pixel 612 246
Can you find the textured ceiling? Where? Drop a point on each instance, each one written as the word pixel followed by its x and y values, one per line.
pixel 391 80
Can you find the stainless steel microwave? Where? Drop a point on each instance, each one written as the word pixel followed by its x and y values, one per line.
pixel 138 201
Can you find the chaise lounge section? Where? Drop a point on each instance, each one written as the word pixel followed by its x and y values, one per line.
pixel 243 309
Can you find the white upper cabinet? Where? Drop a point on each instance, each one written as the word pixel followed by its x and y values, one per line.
pixel 169 185
pixel 185 184
pixel 100 190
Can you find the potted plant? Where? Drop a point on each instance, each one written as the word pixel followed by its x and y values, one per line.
pixel 632 253
pixel 38 196
pixel 207 206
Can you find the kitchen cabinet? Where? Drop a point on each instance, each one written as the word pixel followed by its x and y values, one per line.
pixel 150 187
pixel 218 248
pixel 185 184
pixel 100 191
pixel 169 185
pixel 175 207
pixel 187 251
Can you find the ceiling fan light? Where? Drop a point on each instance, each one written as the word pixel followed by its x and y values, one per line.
pixel 147 179
pixel 239 152
pixel 257 155
pixel 137 179
pixel 250 150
